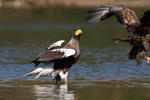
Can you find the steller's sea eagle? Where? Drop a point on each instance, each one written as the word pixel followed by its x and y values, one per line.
pixel 58 60
pixel 129 20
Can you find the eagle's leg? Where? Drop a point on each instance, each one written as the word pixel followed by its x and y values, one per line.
pixel 58 80
pixel 146 45
pixel 64 77
pixel 142 54
pixel 66 81
pixel 138 62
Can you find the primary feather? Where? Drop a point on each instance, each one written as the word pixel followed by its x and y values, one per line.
pixel 56 44
pixel 125 16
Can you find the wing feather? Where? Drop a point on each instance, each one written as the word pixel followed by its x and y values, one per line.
pixel 146 17
pixel 145 24
pixel 47 53
pixel 54 54
pixel 56 44
pixel 66 52
pixel 125 16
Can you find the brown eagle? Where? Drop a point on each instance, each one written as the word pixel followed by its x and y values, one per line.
pixel 128 19
pixel 57 60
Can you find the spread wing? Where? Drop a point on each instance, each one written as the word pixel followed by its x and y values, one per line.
pixel 54 54
pixel 145 24
pixel 146 18
pixel 125 16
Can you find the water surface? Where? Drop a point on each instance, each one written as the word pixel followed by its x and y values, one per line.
pixel 103 71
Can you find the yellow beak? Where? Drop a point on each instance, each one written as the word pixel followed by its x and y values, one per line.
pixel 78 32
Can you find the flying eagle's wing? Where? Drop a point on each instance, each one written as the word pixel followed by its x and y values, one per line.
pixel 54 54
pixel 145 24
pixel 146 17
pixel 125 16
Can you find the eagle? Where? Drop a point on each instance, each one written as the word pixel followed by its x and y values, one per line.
pixel 57 59
pixel 127 17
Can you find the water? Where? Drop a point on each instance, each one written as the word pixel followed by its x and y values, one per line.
pixel 103 71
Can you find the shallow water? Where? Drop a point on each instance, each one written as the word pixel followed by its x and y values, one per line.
pixel 103 71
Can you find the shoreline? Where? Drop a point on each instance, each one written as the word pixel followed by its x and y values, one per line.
pixel 37 4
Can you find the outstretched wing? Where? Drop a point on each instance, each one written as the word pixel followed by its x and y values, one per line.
pixel 146 17
pixel 54 54
pixel 125 16
pixel 144 28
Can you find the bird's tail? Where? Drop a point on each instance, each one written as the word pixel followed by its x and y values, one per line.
pixel 39 72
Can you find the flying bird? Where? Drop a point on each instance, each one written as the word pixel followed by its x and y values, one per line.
pixel 127 17
pixel 57 59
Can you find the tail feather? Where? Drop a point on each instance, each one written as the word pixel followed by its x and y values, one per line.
pixel 39 72
pixel 36 71
pixel 44 72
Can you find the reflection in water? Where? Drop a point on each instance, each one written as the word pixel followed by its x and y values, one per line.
pixel 52 92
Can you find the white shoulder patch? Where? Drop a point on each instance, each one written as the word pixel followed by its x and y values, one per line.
pixel 58 43
pixel 67 52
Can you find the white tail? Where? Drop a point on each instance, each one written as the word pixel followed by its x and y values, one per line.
pixel 39 72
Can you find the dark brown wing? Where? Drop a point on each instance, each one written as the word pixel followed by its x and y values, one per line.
pixel 146 17
pixel 144 28
pixel 125 16
pixel 49 55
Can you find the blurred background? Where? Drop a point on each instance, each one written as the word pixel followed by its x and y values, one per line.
pixel 29 4
pixel 103 71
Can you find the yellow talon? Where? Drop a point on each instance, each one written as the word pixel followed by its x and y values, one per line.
pixel 148 60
